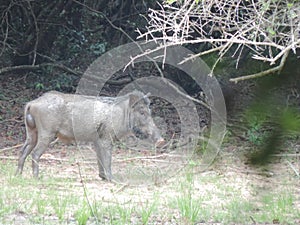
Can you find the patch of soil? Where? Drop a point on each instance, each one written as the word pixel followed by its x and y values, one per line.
pixel 232 175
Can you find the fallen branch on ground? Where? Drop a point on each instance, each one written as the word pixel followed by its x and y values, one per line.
pixel 10 148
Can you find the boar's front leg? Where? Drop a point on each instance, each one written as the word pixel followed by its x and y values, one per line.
pixel 104 151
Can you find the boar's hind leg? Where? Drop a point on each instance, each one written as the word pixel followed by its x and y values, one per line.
pixel 103 150
pixel 40 148
pixel 30 143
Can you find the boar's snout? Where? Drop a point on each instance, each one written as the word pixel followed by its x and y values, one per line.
pixel 151 132
pixel 157 138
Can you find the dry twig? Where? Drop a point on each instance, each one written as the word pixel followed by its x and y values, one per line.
pixel 269 29
pixel 10 148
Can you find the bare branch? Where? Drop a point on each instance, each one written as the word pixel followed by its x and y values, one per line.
pixel 36 33
pixel 263 73
pixel 59 66
pixel 6 33
pixel 269 29
pixel 39 66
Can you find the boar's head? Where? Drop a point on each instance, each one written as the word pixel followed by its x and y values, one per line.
pixel 140 120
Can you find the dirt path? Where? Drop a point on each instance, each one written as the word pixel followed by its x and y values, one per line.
pixel 228 183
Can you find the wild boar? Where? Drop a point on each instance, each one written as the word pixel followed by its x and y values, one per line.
pixel 72 117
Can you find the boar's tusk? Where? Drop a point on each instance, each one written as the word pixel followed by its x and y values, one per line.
pixel 145 98
pixel 147 95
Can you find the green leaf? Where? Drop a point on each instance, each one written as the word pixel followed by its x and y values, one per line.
pixel 170 2
pixel 290 121
pixel 271 31
pixel 290 5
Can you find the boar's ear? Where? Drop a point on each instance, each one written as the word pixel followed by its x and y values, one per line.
pixel 133 99
pixel 146 98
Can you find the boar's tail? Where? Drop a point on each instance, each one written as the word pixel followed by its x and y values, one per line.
pixel 31 130
pixel 31 137
pixel 29 120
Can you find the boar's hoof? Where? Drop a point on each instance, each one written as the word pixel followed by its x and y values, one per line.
pixel 105 177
